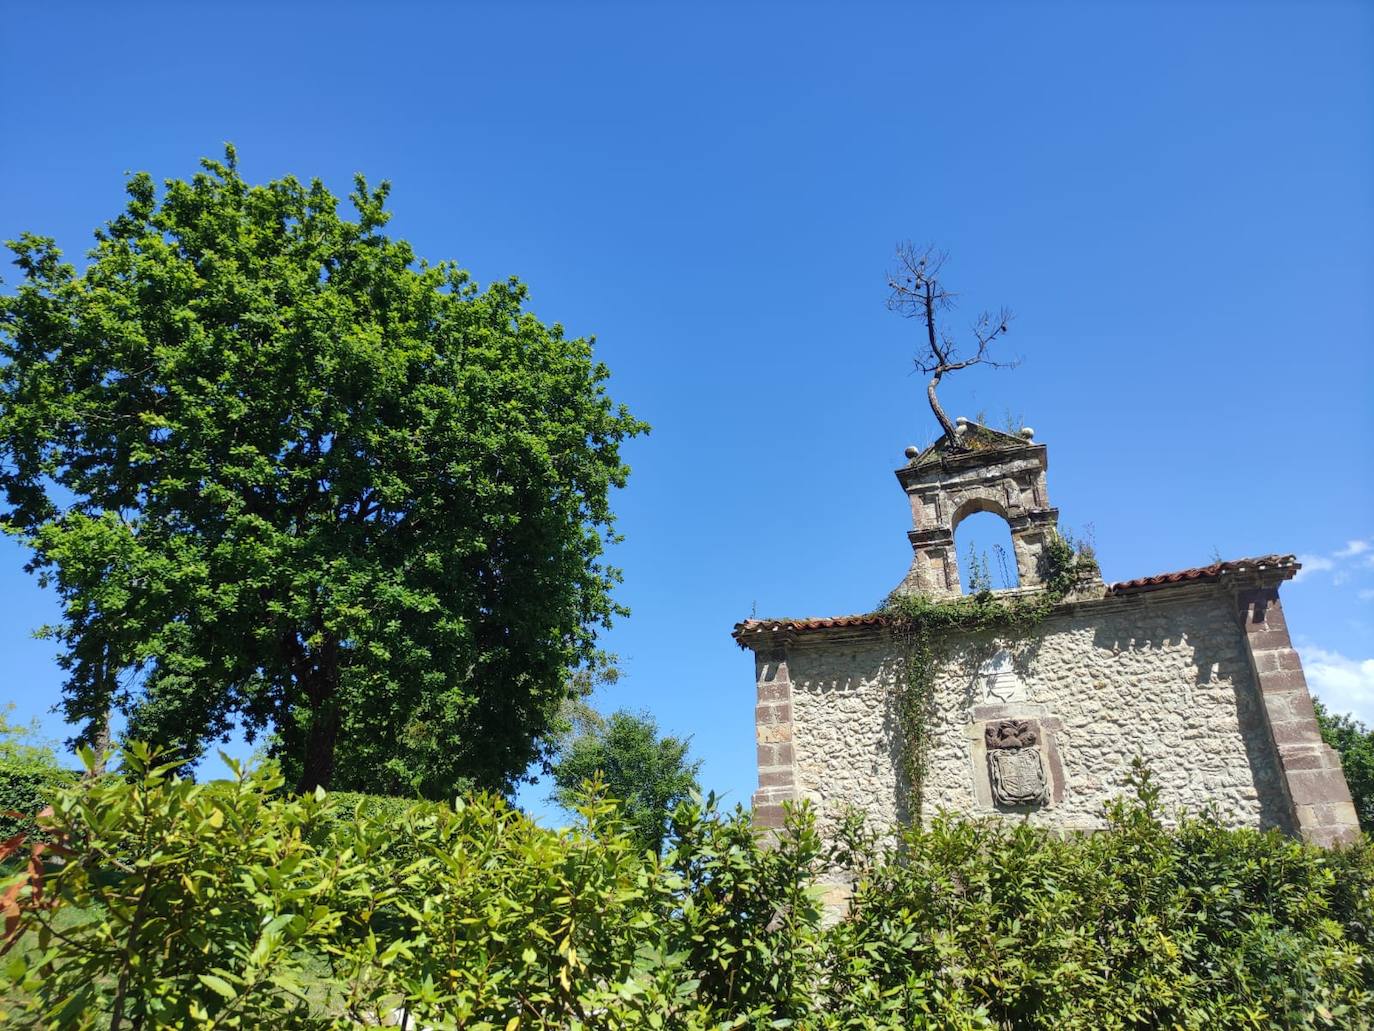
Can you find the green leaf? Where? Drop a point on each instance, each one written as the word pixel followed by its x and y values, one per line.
pixel 218 985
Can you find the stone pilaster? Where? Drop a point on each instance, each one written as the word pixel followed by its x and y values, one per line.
pixel 1318 798
pixel 773 733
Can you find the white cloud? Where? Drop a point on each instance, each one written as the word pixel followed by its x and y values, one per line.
pixel 1313 564
pixel 1357 554
pixel 1343 684
pixel 1367 594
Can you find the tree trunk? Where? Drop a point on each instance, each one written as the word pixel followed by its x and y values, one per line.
pixel 955 444
pixel 317 768
pixel 102 746
pixel 103 736
pixel 317 765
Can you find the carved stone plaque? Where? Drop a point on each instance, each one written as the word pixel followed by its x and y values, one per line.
pixel 1016 770
pixel 1000 680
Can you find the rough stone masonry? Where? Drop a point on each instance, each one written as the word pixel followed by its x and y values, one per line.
pixel 1194 671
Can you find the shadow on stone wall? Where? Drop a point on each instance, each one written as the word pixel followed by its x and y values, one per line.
pixel 892 669
pixel 1274 810
pixel 1226 660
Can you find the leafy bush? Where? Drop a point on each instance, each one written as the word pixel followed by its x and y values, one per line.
pixel 199 901
pixel 26 787
pixel 30 776
pixel 227 905
pixel 346 808
pixel 1355 744
pixel 972 924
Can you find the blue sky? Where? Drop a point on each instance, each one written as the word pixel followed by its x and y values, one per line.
pixel 1175 199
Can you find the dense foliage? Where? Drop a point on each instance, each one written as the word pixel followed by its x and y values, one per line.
pixel 227 905
pixel 649 774
pixel 285 475
pixel 1355 744
pixel 29 775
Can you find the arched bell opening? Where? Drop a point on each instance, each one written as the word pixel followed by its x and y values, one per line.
pixel 986 554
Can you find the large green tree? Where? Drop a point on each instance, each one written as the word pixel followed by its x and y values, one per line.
pixel 285 475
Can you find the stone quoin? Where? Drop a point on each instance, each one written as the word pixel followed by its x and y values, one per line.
pixel 1193 671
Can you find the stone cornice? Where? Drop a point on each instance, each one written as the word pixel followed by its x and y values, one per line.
pixel 911 477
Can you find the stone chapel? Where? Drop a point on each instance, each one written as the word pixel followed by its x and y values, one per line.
pixel 1194 671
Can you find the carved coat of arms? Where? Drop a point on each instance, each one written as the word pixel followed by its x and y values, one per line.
pixel 1016 771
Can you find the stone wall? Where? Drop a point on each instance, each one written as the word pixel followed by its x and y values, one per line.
pixel 1165 676
pixel 1192 671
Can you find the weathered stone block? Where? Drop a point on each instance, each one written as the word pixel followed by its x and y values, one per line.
pixel 1336 814
pixel 1283 681
pixel 1268 640
pixel 773 713
pixel 1280 659
pixel 1310 786
pixel 1295 732
pixel 769 817
pixel 775 779
pixel 773 732
pixel 775 755
pixel 1331 837
pixel 1302 758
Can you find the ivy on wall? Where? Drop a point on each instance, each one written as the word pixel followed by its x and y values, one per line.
pixel 926 629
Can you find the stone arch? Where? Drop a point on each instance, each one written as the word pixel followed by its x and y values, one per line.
pixel 944 488
pixel 980 530
pixel 978 503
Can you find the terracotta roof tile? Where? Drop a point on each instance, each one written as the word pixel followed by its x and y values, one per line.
pixel 765 626
pixel 1201 574
pixel 1207 574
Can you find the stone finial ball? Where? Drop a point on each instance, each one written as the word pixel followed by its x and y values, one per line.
pixel 1027 432
pixel 911 451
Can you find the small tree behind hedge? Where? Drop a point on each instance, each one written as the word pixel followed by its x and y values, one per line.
pixel 647 774
pixel 30 776
pixel 1355 744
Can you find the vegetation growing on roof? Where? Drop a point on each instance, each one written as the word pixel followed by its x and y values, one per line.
pixel 975 437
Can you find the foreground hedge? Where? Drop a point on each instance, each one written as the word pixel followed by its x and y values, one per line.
pixel 169 904
pixel 27 781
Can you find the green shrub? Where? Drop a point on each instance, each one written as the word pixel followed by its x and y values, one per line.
pixel 227 905
pixel 30 776
pixel 503 923
pixel 199 902
pixel 972 924
pixel 26 787
pixel 1354 742
pixel 389 811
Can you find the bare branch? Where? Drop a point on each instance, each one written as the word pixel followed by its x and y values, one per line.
pixel 915 292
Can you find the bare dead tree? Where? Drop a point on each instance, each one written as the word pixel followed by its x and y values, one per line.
pixel 917 293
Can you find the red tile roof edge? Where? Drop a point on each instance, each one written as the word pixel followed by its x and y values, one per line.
pixel 1201 574
pixel 1209 574
pixel 760 626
